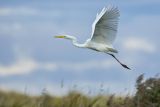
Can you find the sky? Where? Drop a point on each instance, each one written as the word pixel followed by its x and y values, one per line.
pixel 31 60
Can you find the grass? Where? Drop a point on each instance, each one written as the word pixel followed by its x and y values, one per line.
pixel 147 95
pixel 72 99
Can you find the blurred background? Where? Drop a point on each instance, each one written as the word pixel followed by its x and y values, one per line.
pixel 31 60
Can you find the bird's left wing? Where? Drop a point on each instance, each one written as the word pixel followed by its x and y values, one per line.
pixel 104 28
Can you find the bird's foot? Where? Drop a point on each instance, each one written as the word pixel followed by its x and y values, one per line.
pixel 125 66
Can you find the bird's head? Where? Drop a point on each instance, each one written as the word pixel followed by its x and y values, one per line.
pixel 65 37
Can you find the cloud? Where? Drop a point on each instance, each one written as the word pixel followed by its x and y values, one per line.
pixel 13 29
pixel 22 66
pixel 28 65
pixel 139 44
pixel 29 11
pixel 25 66
pixel 87 65
pixel 7 11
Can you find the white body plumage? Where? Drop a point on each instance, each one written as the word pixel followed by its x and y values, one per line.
pixel 104 31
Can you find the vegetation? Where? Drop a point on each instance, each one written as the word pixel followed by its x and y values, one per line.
pixel 147 95
pixel 148 92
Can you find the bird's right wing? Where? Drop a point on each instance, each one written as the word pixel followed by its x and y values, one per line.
pixel 104 28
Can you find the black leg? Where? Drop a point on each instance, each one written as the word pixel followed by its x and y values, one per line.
pixel 125 66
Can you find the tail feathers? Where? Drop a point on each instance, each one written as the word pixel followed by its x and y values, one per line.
pixel 113 50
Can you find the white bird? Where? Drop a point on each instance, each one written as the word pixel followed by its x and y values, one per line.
pixel 104 31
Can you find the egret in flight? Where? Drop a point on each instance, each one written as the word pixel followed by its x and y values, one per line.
pixel 104 30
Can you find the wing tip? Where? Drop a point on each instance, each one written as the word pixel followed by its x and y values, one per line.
pixel 113 8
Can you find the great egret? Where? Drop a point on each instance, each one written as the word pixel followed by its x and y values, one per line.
pixel 104 31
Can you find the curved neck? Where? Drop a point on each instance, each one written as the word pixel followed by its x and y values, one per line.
pixel 75 43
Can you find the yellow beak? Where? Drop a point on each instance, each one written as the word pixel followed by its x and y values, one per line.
pixel 59 36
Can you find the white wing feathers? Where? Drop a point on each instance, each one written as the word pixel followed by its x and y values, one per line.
pixel 104 28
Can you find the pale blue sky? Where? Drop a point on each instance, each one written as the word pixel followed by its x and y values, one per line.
pixel 30 56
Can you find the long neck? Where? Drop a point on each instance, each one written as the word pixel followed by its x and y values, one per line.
pixel 75 43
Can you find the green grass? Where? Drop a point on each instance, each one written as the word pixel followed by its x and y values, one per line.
pixel 72 99
pixel 147 95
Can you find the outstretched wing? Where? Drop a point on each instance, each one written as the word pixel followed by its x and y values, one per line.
pixel 104 28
